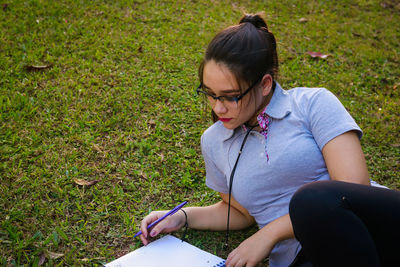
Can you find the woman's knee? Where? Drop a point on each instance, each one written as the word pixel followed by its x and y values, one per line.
pixel 318 197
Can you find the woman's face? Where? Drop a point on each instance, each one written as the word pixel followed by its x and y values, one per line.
pixel 219 81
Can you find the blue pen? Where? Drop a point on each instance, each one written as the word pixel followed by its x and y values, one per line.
pixel 163 217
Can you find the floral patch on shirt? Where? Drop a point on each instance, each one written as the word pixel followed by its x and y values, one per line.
pixel 263 121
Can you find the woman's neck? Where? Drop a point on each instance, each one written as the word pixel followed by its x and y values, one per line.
pixel 253 120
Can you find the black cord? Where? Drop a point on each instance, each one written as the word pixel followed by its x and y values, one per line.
pixel 230 184
pixel 185 225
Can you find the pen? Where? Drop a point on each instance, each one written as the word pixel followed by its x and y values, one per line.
pixel 163 217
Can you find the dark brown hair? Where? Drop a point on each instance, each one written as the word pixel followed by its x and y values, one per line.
pixel 248 50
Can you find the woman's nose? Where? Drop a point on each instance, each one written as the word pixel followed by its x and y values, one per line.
pixel 219 107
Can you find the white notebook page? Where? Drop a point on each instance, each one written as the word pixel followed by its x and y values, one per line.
pixel 168 251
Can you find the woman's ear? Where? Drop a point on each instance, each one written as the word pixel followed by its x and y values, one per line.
pixel 266 84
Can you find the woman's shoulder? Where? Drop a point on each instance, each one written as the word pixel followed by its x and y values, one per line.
pixel 307 98
pixel 216 133
pixel 306 94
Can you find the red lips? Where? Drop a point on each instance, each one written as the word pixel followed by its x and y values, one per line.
pixel 225 119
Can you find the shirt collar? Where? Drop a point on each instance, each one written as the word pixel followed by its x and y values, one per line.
pixel 278 108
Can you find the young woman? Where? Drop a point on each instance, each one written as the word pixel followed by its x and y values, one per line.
pixel 266 142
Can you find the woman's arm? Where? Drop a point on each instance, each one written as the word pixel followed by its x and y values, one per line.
pixel 202 218
pixel 214 217
pixel 345 159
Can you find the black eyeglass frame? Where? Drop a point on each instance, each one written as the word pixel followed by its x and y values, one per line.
pixel 222 98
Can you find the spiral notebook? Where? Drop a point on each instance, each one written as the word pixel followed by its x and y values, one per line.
pixel 168 251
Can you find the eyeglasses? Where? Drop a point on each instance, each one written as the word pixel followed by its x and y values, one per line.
pixel 227 100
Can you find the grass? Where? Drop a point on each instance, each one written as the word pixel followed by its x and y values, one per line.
pixel 117 105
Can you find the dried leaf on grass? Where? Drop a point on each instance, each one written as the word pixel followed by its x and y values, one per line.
pixel 97 148
pixel 161 155
pixel 42 259
pixel 317 54
pixel 302 20
pixel 54 255
pixel 84 182
pixel 37 67
pixel 143 175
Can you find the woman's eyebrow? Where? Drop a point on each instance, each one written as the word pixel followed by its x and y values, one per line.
pixel 223 91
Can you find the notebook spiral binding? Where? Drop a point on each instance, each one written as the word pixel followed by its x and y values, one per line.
pixel 221 264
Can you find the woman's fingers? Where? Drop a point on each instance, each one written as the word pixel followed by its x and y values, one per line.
pixel 165 226
pixel 230 261
pixel 145 222
pixel 169 224
pixel 153 216
pixel 144 240
pixel 157 229
pixel 236 260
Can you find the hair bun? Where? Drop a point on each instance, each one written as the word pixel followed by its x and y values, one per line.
pixel 255 19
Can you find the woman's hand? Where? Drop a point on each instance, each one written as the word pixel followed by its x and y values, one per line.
pixel 169 224
pixel 251 251
pixel 258 246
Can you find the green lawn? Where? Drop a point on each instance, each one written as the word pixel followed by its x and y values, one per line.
pixel 117 105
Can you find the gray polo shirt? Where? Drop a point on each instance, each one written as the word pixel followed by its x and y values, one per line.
pixel 303 120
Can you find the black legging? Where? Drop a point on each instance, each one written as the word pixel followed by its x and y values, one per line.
pixel 345 224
